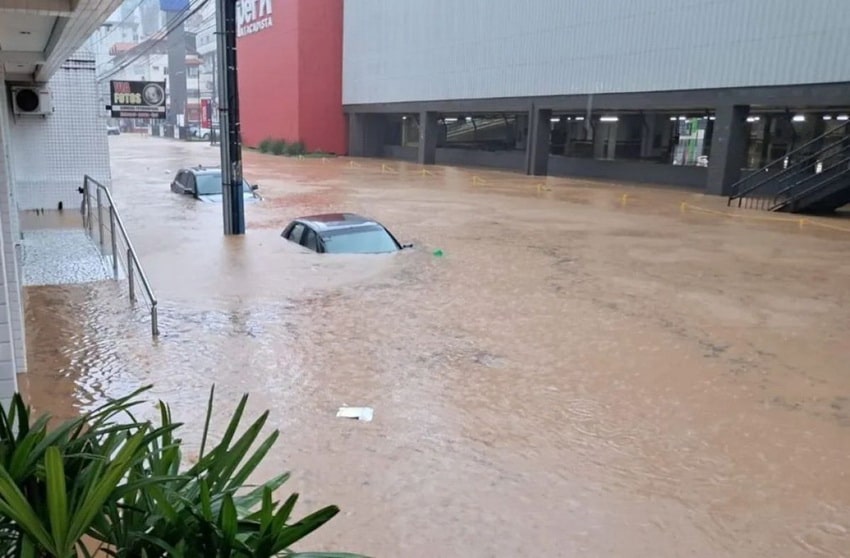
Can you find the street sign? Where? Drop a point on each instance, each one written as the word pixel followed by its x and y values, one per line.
pixel 137 99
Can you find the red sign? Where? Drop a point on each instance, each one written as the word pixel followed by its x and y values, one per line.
pixel 206 113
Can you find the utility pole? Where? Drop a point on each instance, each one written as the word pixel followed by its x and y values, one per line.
pixel 228 110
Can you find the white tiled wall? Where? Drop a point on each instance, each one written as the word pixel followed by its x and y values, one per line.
pixel 8 364
pixel 42 163
pixel 51 154
pixel 10 227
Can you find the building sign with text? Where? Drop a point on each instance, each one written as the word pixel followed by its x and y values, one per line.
pixel 253 16
pixel 137 99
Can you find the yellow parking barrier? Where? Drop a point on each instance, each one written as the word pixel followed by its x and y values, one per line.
pixel 386 168
pixel 543 188
pixel 477 180
pixel 827 226
pixel 426 172
pixel 624 200
pixel 801 223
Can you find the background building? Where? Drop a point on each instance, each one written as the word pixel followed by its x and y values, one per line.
pixel 140 41
pixel 205 42
pixel 663 91
pixel 290 72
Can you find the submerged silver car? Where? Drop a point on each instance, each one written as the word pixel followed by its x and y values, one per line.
pixel 342 233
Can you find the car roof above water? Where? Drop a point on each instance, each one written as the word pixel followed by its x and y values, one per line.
pixel 335 221
pixel 203 170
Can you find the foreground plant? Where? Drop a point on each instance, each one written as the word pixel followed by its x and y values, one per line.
pixel 117 481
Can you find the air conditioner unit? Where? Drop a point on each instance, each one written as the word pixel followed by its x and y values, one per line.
pixel 31 101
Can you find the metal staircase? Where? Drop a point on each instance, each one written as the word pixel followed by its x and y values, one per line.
pixel 814 178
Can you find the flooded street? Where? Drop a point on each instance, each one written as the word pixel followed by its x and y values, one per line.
pixel 589 370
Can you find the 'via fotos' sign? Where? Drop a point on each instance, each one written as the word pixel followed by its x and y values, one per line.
pixel 253 16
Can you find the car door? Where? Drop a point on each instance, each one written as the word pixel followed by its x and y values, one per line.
pixel 296 232
pixel 177 185
pixel 310 240
pixel 191 184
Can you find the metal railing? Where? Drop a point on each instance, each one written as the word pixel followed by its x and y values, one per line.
pixel 840 177
pixel 95 192
pixel 790 190
pixel 758 189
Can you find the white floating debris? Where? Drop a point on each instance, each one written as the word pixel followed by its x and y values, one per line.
pixel 359 413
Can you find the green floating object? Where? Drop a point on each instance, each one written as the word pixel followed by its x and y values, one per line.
pixel 438 253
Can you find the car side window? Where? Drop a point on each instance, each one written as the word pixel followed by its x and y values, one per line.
pixel 296 232
pixel 190 182
pixel 180 178
pixel 310 241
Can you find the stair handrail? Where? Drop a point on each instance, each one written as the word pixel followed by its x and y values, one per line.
pixel 133 262
pixel 814 188
pixel 737 185
pixel 799 167
pixel 812 176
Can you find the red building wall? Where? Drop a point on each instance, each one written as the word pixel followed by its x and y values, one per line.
pixel 290 75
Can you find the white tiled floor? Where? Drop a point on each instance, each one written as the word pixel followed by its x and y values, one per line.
pixel 61 257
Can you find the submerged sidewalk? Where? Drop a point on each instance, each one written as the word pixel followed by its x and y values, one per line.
pixel 53 254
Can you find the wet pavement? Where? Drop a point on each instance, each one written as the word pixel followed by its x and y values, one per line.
pixel 589 370
pixel 59 257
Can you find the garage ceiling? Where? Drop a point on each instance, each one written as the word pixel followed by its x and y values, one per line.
pixel 36 36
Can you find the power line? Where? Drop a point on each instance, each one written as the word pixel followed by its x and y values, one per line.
pixel 120 23
pixel 152 42
pixel 167 31
pixel 204 29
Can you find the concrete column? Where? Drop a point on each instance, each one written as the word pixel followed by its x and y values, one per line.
pixel 366 135
pixel 8 360
pixel 428 134
pixel 647 138
pixel 613 135
pixel 404 134
pixel 728 149
pixel 539 140
pixel 523 129
pixel 356 136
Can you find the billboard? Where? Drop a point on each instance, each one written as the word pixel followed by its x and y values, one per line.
pixel 173 5
pixel 137 99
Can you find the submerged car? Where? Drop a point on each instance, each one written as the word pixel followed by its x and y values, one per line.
pixel 199 132
pixel 342 233
pixel 113 131
pixel 204 183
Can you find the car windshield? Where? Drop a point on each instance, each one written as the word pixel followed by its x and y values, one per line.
pixel 362 240
pixel 209 184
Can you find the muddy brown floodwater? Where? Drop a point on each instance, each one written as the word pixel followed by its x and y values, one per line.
pixel 590 370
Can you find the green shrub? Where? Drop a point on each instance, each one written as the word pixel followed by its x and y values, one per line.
pixel 118 481
pixel 279 147
pixel 296 148
pixel 266 145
